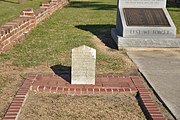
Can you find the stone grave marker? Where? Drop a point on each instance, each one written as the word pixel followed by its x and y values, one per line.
pixel 83 65
pixel 144 23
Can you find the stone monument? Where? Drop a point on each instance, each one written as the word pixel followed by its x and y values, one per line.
pixel 83 65
pixel 144 23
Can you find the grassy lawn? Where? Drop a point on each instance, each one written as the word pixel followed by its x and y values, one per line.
pixel 11 9
pixel 51 42
pixel 174 11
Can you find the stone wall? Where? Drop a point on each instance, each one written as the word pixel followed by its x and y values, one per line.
pixel 13 32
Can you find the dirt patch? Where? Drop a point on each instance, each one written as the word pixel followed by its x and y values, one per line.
pixel 11 78
pixel 42 106
pixel 8 88
pixel 10 81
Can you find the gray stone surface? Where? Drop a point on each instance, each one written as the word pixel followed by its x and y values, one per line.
pixel 123 42
pixel 83 65
pixel 162 71
pixel 144 31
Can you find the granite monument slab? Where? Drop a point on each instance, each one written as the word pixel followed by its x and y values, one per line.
pixel 144 23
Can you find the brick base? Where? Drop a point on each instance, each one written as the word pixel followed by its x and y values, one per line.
pixel 105 84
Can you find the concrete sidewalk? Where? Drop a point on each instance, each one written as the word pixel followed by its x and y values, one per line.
pixel 162 71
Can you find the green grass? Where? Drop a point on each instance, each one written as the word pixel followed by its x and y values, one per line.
pixel 10 9
pixel 174 11
pixel 51 42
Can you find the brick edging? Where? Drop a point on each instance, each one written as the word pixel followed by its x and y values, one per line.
pixel 74 89
pixel 14 31
pixel 81 90
pixel 19 99
pixel 148 106
pixel 146 102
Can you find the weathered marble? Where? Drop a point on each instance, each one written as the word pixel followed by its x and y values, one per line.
pixel 83 65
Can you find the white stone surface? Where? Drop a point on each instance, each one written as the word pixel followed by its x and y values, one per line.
pixel 142 3
pixel 125 42
pixel 83 65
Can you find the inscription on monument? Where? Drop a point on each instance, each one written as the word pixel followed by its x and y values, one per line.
pixel 141 3
pixel 152 17
pixel 83 65
pixel 148 32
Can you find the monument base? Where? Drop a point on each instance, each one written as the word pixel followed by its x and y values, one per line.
pixel 123 42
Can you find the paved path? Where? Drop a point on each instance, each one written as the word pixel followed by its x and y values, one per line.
pixel 162 71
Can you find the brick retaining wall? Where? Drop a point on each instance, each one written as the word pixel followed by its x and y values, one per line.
pixel 13 32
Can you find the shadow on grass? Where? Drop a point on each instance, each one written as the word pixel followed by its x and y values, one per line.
pixel 174 10
pixel 173 7
pixel 10 1
pixel 92 5
pixel 171 4
pixel 102 31
pixel 62 71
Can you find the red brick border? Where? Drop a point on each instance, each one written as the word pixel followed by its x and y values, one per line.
pixel 104 84
pixel 19 99
pixel 13 32
pixel 131 84
pixel 147 104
